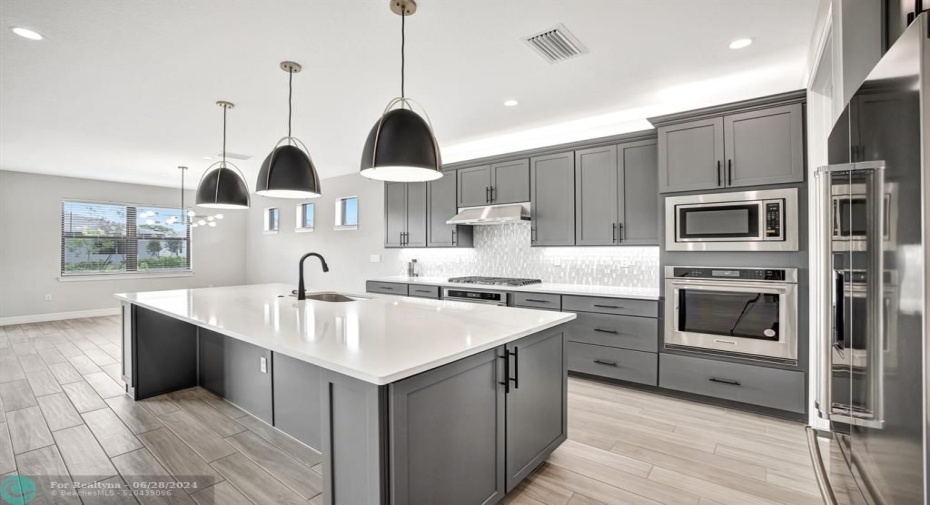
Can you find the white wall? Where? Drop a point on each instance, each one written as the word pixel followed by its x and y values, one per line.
pixel 502 250
pixel 30 223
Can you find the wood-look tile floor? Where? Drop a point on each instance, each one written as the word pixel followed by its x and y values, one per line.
pixel 63 415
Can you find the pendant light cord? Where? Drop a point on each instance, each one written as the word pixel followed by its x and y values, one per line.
pixel 290 93
pixel 403 19
pixel 225 108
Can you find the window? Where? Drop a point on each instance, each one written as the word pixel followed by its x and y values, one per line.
pixel 108 238
pixel 347 213
pixel 305 217
pixel 272 219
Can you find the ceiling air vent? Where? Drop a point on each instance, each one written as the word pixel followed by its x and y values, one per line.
pixel 556 44
pixel 235 156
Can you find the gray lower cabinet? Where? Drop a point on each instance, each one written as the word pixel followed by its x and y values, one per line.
pixel 297 399
pixel 405 214
pixel 441 206
pixel 386 288
pixel 536 403
pixel 756 385
pixel 507 408
pixel 625 332
pixel 474 186
pixel 613 363
pixel 691 156
pixel 233 369
pixel 463 398
pixel 510 182
pixel 421 291
pixel 764 146
pixel 546 301
pixel 616 195
pixel 552 198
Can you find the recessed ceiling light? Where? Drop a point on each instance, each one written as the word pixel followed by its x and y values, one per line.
pixel 26 33
pixel 511 103
pixel 207 158
pixel 740 43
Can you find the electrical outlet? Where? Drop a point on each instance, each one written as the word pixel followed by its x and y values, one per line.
pixel 263 365
pixel 376 258
pixel 48 297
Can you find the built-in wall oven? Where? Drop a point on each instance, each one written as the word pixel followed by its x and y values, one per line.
pixel 751 312
pixel 743 221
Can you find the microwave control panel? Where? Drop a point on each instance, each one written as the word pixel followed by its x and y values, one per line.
pixel 746 274
pixel 773 220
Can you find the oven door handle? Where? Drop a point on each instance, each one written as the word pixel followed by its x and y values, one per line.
pixel 777 288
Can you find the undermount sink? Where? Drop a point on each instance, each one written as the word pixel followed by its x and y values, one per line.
pixel 331 297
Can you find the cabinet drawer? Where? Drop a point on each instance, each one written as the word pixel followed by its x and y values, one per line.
pixel 537 300
pixel 423 291
pixel 625 332
pixel 388 288
pixel 622 364
pixel 623 306
pixel 768 387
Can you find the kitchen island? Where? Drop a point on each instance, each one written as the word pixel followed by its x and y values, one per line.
pixel 409 400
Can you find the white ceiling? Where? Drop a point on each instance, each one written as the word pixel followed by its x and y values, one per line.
pixel 125 91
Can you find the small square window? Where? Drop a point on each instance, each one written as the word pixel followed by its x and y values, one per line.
pixel 272 220
pixel 347 213
pixel 305 216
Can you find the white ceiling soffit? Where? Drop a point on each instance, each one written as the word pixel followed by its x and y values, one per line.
pixel 126 90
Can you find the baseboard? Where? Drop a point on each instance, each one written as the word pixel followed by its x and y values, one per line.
pixel 58 316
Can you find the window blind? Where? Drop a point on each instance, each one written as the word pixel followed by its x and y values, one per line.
pixel 109 238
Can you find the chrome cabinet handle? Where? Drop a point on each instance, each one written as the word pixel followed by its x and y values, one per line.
pixel 725 381
pixel 613 332
pixel 605 362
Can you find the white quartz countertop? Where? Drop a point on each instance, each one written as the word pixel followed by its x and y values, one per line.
pixel 545 287
pixel 381 339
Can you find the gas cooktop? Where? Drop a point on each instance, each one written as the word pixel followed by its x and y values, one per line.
pixel 494 281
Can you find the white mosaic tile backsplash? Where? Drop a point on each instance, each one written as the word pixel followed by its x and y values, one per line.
pixel 504 250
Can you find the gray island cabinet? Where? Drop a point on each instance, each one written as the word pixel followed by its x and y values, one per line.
pixel 409 400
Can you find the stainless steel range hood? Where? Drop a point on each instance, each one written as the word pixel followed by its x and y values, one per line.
pixel 492 214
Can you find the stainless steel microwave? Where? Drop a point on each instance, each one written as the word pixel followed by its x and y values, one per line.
pixel 764 220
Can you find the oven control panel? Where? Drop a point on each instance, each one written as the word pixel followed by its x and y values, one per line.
pixel 746 274
pixel 773 220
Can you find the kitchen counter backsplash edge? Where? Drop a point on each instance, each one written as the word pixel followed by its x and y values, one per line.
pixel 545 287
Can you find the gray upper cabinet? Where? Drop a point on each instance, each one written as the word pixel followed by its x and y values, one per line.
pixel 395 213
pixel 405 214
pixel 616 200
pixel 416 214
pixel 596 196
pixel 552 198
pixel 510 182
pixel 474 186
pixel 691 156
pixel 441 206
pixel 536 421
pixel 753 148
pixel 764 146
pixel 639 199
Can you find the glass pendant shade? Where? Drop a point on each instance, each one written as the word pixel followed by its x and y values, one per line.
pixel 401 148
pixel 222 188
pixel 288 172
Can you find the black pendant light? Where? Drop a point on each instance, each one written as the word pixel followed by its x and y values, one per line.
pixel 401 146
pixel 222 185
pixel 288 171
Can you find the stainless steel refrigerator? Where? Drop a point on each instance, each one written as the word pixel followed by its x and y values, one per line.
pixel 873 232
